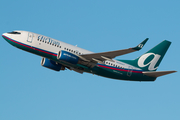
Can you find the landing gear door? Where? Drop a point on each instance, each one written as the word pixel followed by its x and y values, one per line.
pixel 30 37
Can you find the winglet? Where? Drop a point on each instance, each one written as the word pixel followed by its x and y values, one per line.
pixel 141 44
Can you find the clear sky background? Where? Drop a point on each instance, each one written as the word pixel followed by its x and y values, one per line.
pixel 29 91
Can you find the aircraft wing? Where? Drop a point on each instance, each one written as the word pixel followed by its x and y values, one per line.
pixel 98 57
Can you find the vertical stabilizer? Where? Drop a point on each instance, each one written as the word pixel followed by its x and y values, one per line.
pixel 152 58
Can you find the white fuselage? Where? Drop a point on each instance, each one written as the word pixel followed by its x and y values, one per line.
pixel 53 46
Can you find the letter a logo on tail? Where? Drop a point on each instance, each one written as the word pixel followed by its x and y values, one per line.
pixel 151 62
pixel 152 58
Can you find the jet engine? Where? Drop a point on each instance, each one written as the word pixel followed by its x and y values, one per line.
pixel 45 62
pixel 67 57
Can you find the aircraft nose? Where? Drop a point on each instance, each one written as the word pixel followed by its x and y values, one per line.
pixel 10 34
pixel 4 35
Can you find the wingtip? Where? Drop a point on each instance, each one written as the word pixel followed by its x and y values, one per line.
pixel 144 42
pixel 140 46
pixel 147 39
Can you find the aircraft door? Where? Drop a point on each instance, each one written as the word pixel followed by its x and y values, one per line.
pixel 30 37
pixel 129 73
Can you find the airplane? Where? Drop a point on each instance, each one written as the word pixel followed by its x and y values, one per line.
pixel 58 55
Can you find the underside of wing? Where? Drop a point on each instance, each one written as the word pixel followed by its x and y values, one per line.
pixel 98 57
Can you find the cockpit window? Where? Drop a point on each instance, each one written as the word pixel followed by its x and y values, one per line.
pixel 14 32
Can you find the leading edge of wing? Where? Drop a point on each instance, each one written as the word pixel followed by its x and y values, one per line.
pixel 112 54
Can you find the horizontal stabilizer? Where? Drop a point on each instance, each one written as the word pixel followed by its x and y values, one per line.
pixel 157 73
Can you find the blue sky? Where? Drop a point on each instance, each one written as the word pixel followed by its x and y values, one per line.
pixel 31 92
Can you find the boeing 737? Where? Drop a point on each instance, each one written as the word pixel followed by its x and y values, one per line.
pixel 58 55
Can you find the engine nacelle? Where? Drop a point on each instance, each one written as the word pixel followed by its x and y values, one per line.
pixel 45 62
pixel 67 57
